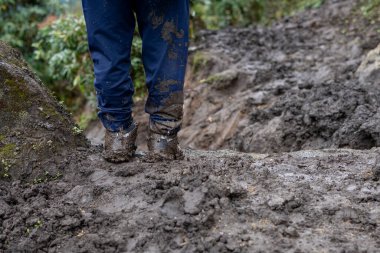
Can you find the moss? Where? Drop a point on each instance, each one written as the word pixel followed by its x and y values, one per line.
pixel 222 80
pixel 214 79
pixel 46 177
pixel 7 154
pixel 49 111
pixel 7 151
pixel 11 56
pixel 199 60
pixel 17 97
pixel 15 88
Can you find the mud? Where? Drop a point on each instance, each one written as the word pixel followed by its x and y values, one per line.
pixel 168 30
pixel 308 201
pixel 289 87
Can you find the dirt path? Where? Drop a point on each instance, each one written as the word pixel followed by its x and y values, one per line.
pixel 308 201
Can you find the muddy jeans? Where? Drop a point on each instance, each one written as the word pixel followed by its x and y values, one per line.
pixel 164 28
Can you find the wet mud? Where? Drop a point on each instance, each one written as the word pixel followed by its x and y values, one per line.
pixel 307 201
pixel 292 86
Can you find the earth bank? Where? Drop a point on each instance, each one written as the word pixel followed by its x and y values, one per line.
pixel 303 83
pixel 36 133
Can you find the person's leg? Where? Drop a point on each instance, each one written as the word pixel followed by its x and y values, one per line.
pixel 110 28
pixel 164 28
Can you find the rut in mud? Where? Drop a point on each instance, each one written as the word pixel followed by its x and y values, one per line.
pixel 288 87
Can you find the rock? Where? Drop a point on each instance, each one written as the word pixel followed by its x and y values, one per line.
pixel 34 127
pixel 369 70
pixel 276 202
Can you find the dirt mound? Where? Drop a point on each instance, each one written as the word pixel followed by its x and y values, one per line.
pixel 36 135
pixel 309 201
pixel 288 87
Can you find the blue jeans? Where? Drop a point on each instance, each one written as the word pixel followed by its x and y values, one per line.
pixel 164 29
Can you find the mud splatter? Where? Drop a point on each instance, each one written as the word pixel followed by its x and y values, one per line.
pixel 173 55
pixel 169 30
pixel 164 86
pixel 156 20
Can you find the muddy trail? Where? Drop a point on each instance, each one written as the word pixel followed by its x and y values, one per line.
pixel 304 83
pixel 308 201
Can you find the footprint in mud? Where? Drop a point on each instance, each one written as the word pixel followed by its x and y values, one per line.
pixel 173 204
pixel 178 202
pixel 193 201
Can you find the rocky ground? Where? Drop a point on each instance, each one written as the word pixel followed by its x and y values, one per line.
pixel 294 86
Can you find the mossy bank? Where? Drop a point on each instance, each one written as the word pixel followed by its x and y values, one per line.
pixel 36 134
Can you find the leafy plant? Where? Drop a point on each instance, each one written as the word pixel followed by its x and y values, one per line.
pixel 20 18
pixel 221 13
pixel 62 59
pixel 371 8
pixel 216 14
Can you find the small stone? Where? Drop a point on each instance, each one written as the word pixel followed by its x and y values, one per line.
pixel 291 232
pixel 276 202
pixel 231 244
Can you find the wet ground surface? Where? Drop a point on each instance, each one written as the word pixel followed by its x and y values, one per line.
pixel 308 201
pixel 289 87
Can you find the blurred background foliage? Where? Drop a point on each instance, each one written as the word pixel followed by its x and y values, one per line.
pixel 51 35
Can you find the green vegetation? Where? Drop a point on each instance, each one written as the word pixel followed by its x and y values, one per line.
pixel 216 14
pixel 62 59
pixel 371 9
pixel 63 62
pixel 199 61
pixel 19 20
pixel 47 178
pixel 52 37
pixel 7 152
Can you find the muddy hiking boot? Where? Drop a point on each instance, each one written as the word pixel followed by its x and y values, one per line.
pixel 163 147
pixel 120 146
pixel 162 141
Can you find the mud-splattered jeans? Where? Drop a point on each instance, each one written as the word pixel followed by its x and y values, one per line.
pixel 164 28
